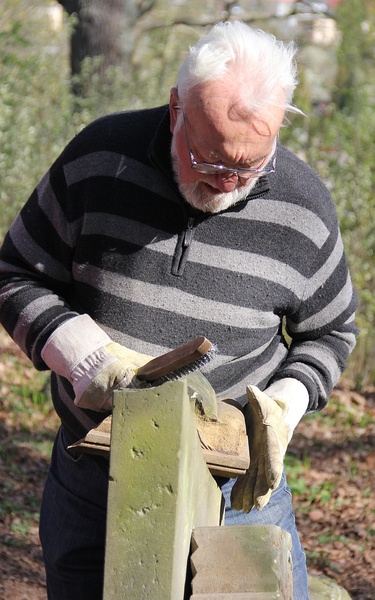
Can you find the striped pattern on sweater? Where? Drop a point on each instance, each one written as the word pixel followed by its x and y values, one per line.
pixel 107 233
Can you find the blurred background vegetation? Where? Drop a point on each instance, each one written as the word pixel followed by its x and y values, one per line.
pixel 42 105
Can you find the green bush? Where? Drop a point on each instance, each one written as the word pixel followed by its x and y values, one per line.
pixel 337 141
pixel 38 113
pixel 35 111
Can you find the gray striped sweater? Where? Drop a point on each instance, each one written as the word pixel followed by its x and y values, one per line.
pixel 107 233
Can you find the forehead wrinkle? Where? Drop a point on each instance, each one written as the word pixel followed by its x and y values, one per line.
pixel 226 99
pixel 218 147
pixel 240 158
pixel 217 153
pixel 221 130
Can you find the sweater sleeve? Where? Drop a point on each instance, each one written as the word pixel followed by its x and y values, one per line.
pixel 36 265
pixel 322 331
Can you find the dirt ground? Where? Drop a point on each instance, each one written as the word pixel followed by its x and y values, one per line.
pixel 331 471
pixel 337 525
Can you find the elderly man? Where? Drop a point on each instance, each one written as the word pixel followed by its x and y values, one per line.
pixel 157 225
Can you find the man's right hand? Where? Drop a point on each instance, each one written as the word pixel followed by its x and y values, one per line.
pixel 97 395
pixel 83 353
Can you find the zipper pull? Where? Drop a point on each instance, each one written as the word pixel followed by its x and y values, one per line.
pixel 189 232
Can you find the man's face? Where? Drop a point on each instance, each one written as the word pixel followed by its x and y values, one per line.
pixel 217 131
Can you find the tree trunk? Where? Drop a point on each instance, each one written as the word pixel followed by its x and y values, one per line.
pixel 105 30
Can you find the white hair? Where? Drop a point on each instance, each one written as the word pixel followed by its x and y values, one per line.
pixel 262 65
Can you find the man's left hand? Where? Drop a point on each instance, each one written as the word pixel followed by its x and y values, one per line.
pixel 268 440
pixel 271 417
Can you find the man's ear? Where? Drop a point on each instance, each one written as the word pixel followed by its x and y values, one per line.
pixel 173 108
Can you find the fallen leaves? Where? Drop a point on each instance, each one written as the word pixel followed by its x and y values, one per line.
pixel 335 508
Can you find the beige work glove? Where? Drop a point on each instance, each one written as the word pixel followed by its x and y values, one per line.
pixel 83 353
pixel 270 422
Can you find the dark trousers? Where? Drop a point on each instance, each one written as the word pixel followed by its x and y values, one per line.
pixel 72 523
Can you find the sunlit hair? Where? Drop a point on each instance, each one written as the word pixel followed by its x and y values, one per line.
pixel 261 65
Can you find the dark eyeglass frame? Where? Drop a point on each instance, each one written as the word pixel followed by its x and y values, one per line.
pixel 214 169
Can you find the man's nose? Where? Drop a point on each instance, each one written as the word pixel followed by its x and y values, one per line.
pixel 227 182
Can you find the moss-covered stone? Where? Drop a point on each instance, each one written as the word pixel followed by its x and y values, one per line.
pixel 159 490
pixel 324 588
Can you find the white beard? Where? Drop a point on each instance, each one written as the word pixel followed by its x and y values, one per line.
pixel 197 197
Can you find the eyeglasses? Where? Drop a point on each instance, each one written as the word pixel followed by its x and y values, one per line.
pixel 213 169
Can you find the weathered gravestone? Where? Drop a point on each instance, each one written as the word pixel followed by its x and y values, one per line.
pixel 160 492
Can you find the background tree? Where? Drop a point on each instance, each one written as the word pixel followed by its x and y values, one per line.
pixel 108 35
pixel 103 31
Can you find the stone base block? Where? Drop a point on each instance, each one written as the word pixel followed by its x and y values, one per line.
pixel 234 596
pixel 240 563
